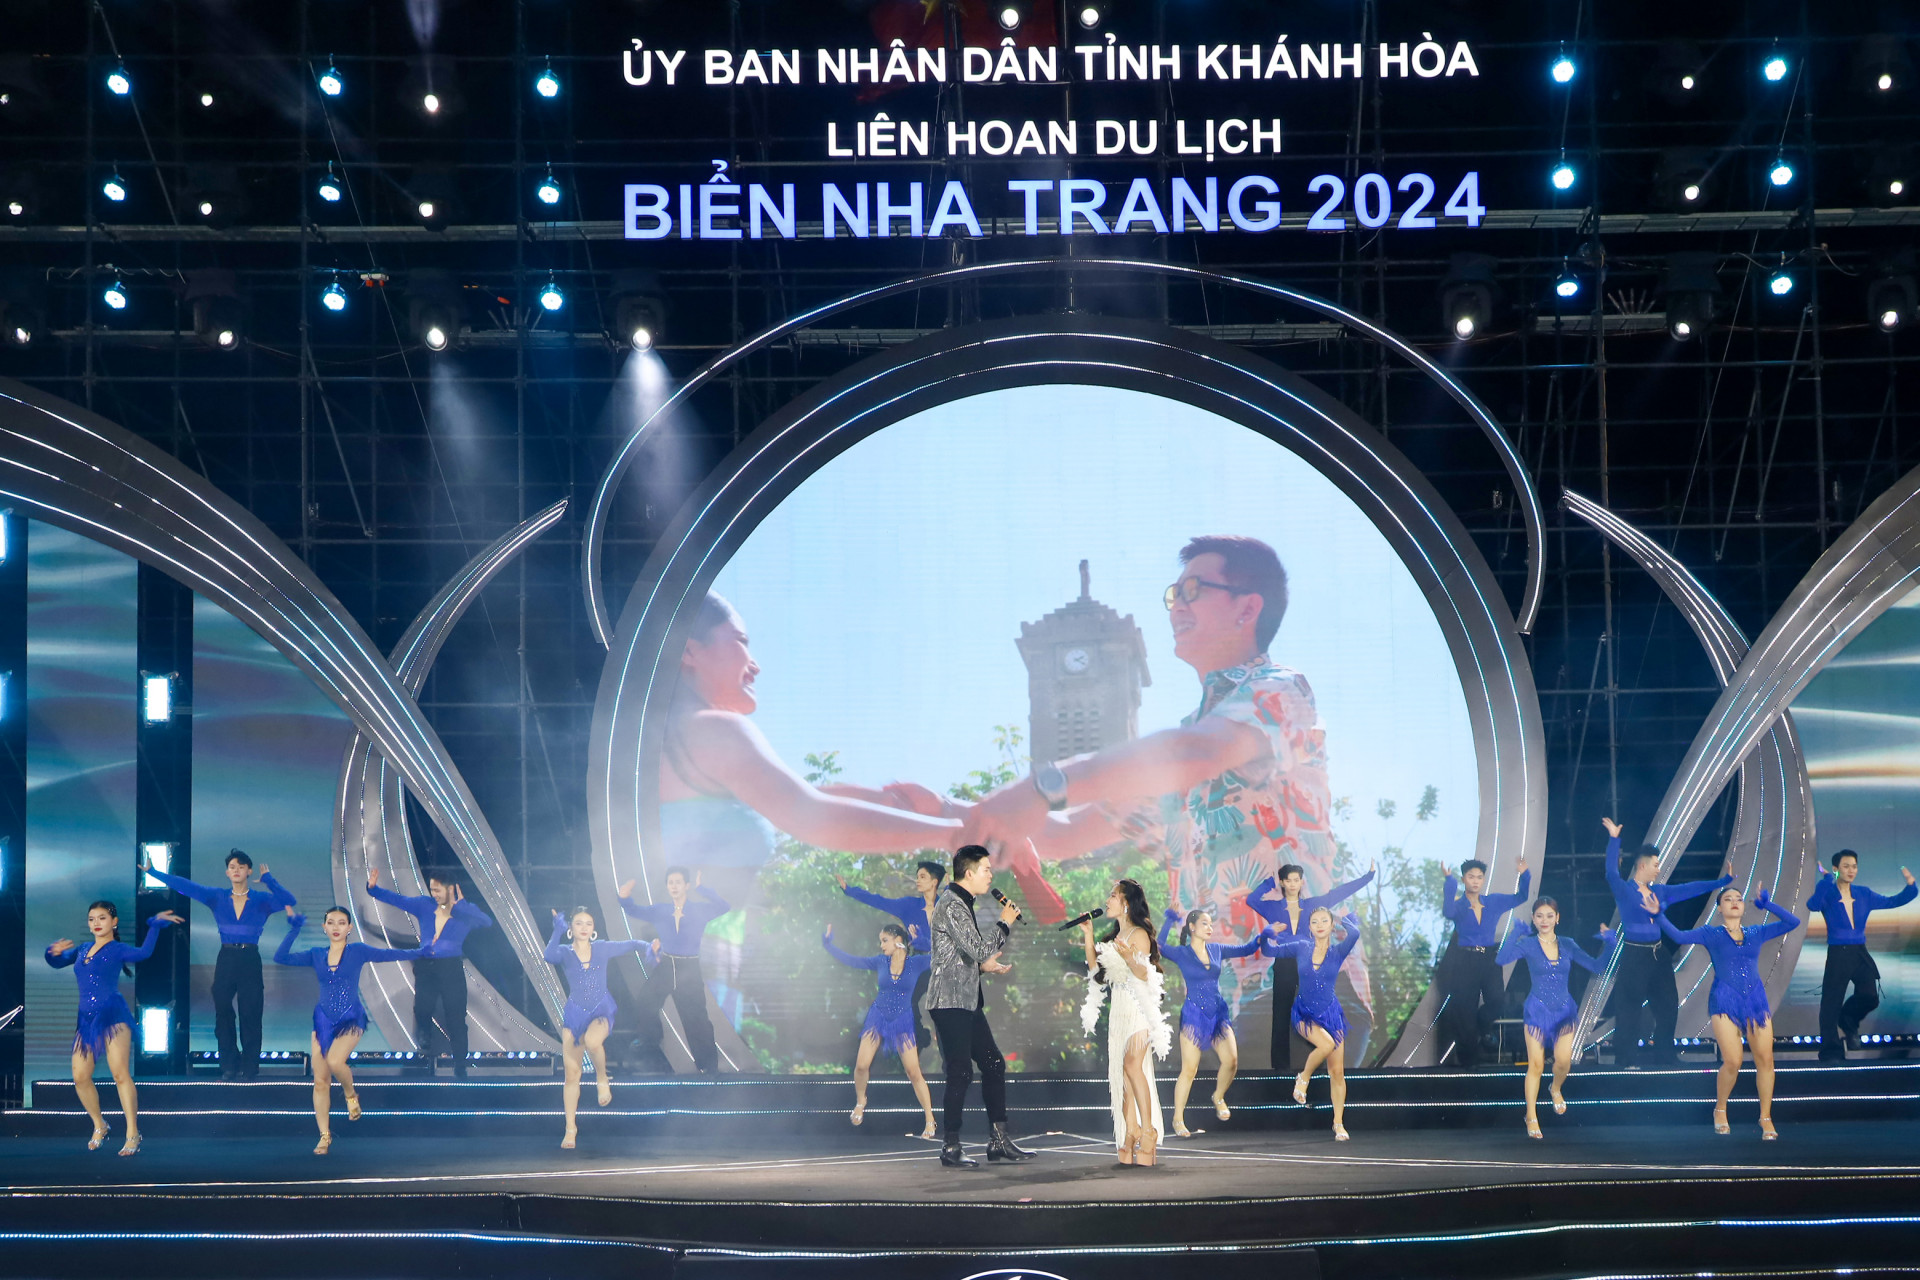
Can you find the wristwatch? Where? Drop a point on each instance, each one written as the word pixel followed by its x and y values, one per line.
pixel 1051 782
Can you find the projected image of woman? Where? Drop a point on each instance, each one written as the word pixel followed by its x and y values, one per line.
pixel 1550 1009
pixel 1124 972
pixel 1206 1021
pixel 105 1028
pixel 890 1019
pixel 1317 1015
pixel 583 956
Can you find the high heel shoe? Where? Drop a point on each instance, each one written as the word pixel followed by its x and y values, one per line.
pixel 353 1103
pixel 1767 1133
pixel 1149 1149
pixel 1129 1144
pixel 1559 1104
pixel 1181 1131
pixel 859 1113
pixel 603 1090
pixel 1340 1133
pixel 1533 1128
pixel 1300 1088
pixel 1720 1124
pixel 133 1146
pixel 1220 1108
pixel 567 1138
pixel 326 1140
pixel 99 1136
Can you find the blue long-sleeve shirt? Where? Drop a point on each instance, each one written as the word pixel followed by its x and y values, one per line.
pixel 1483 931
pixel 262 903
pixel 680 939
pixel 464 919
pixel 1842 932
pixel 910 911
pixel 1271 906
pixel 1637 924
pixel 1184 959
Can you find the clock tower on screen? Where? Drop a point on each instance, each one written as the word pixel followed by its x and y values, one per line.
pixel 1086 666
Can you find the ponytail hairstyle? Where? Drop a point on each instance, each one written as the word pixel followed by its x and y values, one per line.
pixel 1186 929
pixel 892 929
pixel 113 913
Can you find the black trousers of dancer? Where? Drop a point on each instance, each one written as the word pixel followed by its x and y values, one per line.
pixel 678 977
pixel 1643 992
pixel 966 1039
pixel 1286 1047
pixel 1847 965
pixel 921 1036
pixel 440 1008
pixel 1471 986
pixel 237 980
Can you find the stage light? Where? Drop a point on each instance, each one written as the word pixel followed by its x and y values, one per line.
pixel 430 103
pixel 1567 286
pixel 119 83
pixel 1466 294
pixel 551 299
pixel 334 298
pixel 1781 173
pixel 1009 16
pixel 206 99
pixel 1890 171
pixel 641 338
pixel 214 296
pixel 548 192
pixel 639 309
pixel 433 309
pixel 159 857
pixel 425 209
pixel 1774 68
pixel 547 84
pixel 1562 176
pixel 1089 16
pixel 1683 178
pixel 115 296
pixel 156 1028
pixel 329 188
pixel 330 82
pixel 1691 284
pixel 1780 283
pixel 19 194
pixel 1882 69
pixel 1883 82
pixel 19 334
pixel 22 317
pixel 114 188
pixel 214 192
pixel 431 191
pixel 1563 69
pixel 16 208
pixel 1893 297
pixel 1687 82
pixel 156 699
pixel 435 337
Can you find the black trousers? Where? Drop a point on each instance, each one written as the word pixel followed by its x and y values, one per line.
pixel 966 1039
pixel 921 1036
pixel 678 977
pixel 1287 1048
pixel 236 980
pixel 1643 992
pixel 440 1006
pixel 1471 986
pixel 1847 965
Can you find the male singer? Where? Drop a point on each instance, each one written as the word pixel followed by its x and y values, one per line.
pixel 957 1001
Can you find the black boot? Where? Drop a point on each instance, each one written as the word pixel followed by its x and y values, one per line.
pixel 1001 1147
pixel 954 1156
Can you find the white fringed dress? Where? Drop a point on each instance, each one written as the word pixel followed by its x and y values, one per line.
pixel 1135 1011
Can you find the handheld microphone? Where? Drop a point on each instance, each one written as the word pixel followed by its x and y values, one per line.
pixel 1005 901
pixel 1079 920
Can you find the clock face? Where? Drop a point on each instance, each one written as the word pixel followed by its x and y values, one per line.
pixel 1076 660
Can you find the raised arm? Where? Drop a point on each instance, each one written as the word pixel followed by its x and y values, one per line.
pixel 648 911
pixel 1684 892
pixel 1449 894
pixel 641 947
pixel 180 884
pixel 1516 945
pixel 718 903
pixel 869 897
pixel 1340 893
pixel 1171 918
pixel 134 955
pixel 1884 902
pixel 383 955
pixel 1592 964
pixel 64 957
pixel 380 893
pixel 851 961
pixel 285 954
pixel 557 947
pixel 1263 903
pixel 1235 952
pixel 1785 921
pixel 1825 891
pixel 1351 923
pixel 278 892
pixel 1682 937
pixel 472 916
pixel 1614 879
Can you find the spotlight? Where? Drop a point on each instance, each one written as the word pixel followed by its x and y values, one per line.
pixel 1890 173
pixel 214 193
pixel 639 309
pixel 1567 285
pixel 1692 282
pixel 425 209
pixel 214 296
pixel 430 190
pixel 19 195
pixel 334 298
pixel 22 319
pixel 1089 16
pixel 1893 298
pixel 547 84
pixel 1882 68
pixel 1562 175
pixel 330 82
pixel 115 296
pixel 114 188
pixel 433 309
pixel 206 99
pixel 156 698
pixel 1009 16
pixel 1687 82
pixel 329 188
pixel 1563 69
pixel 551 299
pixel 1775 67
pixel 548 192
pixel 1676 73
pixel 119 83
pixel 1781 173
pixel 1466 295
pixel 435 337
pixel 430 103
pixel 1780 283
pixel 432 86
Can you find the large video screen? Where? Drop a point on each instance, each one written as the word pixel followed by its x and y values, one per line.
pixel 1859 723
pixel 919 629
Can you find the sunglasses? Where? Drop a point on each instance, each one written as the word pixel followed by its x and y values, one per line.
pixel 1188 589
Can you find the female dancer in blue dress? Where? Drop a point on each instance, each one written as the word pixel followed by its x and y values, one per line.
pixel 1316 1010
pixel 576 946
pixel 890 1019
pixel 1205 1020
pixel 338 1016
pixel 106 1024
pixel 1550 1008
pixel 1738 1001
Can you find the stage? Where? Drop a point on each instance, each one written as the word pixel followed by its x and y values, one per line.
pixel 767 1177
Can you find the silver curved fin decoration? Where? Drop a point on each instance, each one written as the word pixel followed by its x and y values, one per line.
pixel 1773 843
pixel 72 468
pixel 370 827
pixel 592 544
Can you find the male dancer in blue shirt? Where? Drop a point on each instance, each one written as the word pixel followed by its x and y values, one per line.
pixel 1469 972
pixel 240 912
pixel 1846 906
pixel 445 919
pixel 681 923
pixel 1644 978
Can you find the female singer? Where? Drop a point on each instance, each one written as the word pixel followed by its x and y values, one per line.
pixel 1204 1017
pixel 890 1019
pixel 338 1017
pixel 1127 967
pixel 588 1015
pixel 1316 1010
pixel 1738 1001
pixel 106 1024
pixel 1550 1009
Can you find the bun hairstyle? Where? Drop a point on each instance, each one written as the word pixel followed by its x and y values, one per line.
pixel 1186 929
pixel 342 910
pixel 1320 911
pixel 577 912
pixel 113 914
pixel 895 930
pixel 1544 901
pixel 1721 896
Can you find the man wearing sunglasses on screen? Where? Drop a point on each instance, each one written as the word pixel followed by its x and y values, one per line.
pixel 1237 790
